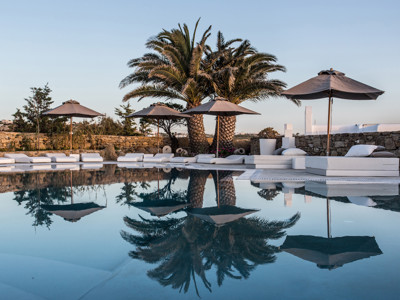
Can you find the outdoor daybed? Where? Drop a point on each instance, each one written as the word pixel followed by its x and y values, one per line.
pixel 229 160
pixel 5 160
pixel 186 160
pixel 133 157
pixel 159 158
pixel 60 157
pixel 23 158
pixel 91 157
pixel 352 166
pixel 275 162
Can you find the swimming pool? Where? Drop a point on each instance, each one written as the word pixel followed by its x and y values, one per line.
pixel 118 233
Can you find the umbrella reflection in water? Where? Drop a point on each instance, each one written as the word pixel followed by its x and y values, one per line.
pixel 331 252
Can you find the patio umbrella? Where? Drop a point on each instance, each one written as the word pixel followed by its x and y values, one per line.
pixel 158 111
pixel 220 215
pixel 331 253
pixel 220 107
pixel 332 84
pixel 72 108
pixel 75 211
pixel 160 208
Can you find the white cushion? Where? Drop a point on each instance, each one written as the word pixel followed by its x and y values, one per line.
pixel 361 150
pixel 294 152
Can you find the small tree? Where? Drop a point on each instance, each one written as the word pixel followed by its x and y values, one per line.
pixel 268 133
pixel 128 124
pixel 144 126
pixel 169 124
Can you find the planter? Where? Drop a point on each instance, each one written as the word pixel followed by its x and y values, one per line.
pixel 267 146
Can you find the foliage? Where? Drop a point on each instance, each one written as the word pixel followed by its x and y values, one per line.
pixel 173 71
pixel 30 119
pixel 268 133
pixel 128 124
pixel 144 127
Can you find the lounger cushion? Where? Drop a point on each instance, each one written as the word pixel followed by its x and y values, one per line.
pixel 4 160
pixel 60 157
pixel 131 157
pixel 382 154
pixel 361 150
pixel 278 151
pixel 91 157
pixel 23 158
pixel 229 160
pixel 294 152
pixel 159 157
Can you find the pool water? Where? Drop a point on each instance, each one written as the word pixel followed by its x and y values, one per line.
pixel 119 233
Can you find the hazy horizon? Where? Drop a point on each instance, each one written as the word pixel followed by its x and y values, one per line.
pixel 81 50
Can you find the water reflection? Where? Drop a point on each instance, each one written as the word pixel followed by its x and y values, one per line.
pixel 190 246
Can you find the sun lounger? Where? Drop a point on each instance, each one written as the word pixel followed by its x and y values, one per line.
pixel 159 157
pixel 229 160
pixel 133 157
pixel 275 161
pixel 186 160
pixel 91 157
pixel 23 158
pixel 352 166
pixel 60 158
pixel 5 160
pixel 91 166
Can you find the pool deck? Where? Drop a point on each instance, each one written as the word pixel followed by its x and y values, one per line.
pixel 255 175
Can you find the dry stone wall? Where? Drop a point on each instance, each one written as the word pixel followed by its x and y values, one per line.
pixel 315 145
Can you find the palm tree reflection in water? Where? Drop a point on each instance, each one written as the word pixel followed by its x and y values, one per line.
pixel 188 246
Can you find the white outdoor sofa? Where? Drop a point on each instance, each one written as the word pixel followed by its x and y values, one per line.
pixel 91 157
pixel 352 166
pixel 275 162
pixel 23 158
pixel 5 160
pixel 159 158
pixel 186 160
pixel 61 158
pixel 229 160
pixel 133 157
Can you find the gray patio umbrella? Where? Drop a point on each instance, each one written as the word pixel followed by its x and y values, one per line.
pixel 158 111
pixel 220 215
pixel 72 108
pixel 331 253
pixel 332 84
pixel 220 107
pixel 160 208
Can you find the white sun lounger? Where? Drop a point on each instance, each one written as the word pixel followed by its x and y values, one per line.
pixel 61 158
pixel 186 160
pixel 352 166
pixel 159 157
pixel 275 161
pixel 5 160
pixel 133 157
pixel 91 157
pixel 229 160
pixel 91 166
pixel 72 167
pixel 23 158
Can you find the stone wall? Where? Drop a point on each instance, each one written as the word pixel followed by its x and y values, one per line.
pixel 15 141
pixel 315 145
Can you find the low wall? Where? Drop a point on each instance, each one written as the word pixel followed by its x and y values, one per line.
pixel 16 141
pixel 315 145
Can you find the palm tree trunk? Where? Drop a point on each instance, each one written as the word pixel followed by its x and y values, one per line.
pixel 196 187
pixel 224 185
pixel 227 126
pixel 197 136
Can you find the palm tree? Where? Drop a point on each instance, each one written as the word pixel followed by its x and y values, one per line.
pixel 239 74
pixel 186 247
pixel 195 191
pixel 174 72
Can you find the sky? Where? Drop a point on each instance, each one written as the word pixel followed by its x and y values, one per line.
pixel 80 48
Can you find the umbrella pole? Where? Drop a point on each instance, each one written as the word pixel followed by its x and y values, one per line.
pixel 217 188
pixel 217 136
pixel 72 193
pixel 328 142
pixel 70 136
pixel 158 135
pixel 328 218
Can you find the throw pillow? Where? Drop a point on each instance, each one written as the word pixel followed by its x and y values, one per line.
pixel 361 150
pixel 278 151
pixel 294 152
pixel 382 154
